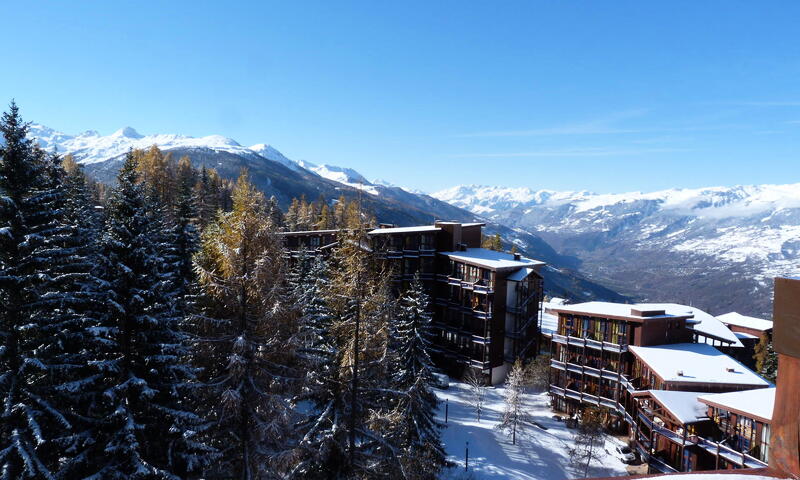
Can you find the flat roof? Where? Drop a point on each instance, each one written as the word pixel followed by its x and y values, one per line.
pixel 495 260
pixel 734 318
pixel 698 320
pixel 757 404
pixel 705 323
pixel 423 228
pixel 520 274
pixel 696 363
pixel 616 310
pixel 742 335
pixel 549 319
pixel 684 406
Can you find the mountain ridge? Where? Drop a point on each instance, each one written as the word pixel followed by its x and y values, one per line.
pixel 279 176
pixel 734 238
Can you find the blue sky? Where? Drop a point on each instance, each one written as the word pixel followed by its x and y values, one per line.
pixel 606 96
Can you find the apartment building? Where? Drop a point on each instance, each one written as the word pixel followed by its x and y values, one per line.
pixel 485 303
pixel 743 421
pixel 749 330
pixel 646 365
pixel 757 429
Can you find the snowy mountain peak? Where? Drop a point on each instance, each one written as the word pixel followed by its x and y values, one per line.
pixel 91 147
pixel 714 202
pixel 127 132
pixel 341 174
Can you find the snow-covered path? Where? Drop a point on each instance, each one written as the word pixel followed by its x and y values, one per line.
pixel 538 455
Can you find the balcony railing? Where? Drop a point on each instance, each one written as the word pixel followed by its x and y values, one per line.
pixel 730 455
pixel 589 343
pixel 660 465
pixel 591 371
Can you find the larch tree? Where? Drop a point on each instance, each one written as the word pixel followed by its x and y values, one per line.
pixel 477 390
pixel 343 434
pixel 588 440
pixel 514 412
pixel 244 337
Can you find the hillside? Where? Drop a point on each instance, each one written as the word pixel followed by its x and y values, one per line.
pixel 277 175
pixel 717 248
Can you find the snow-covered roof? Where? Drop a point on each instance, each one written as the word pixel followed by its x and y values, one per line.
pixel 734 318
pixel 520 274
pixel 696 363
pixel 423 228
pixel 704 323
pixel 610 309
pixel 549 319
pixel 682 405
pixel 744 336
pixel 491 258
pixel 756 403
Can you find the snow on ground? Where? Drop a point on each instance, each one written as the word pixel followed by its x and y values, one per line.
pixel 538 455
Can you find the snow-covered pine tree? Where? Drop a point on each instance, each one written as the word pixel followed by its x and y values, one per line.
pixel 415 430
pixel 274 212
pixel 769 368
pixel 244 338
pixel 145 426
pixel 186 237
pixel 29 419
pixel 322 450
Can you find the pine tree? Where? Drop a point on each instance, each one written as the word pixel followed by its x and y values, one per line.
pixel 206 204
pixel 70 304
pixel 245 337
pixel 322 450
pixel 415 430
pixel 184 240
pixel 769 366
pixel 29 420
pixel 274 213
pixel 147 429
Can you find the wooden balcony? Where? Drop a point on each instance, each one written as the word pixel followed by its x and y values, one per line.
pixel 589 343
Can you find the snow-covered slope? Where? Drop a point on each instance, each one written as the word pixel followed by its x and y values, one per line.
pixel 542 445
pixel 743 234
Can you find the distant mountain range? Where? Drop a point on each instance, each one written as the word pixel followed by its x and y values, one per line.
pixel 717 248
pixel 284 178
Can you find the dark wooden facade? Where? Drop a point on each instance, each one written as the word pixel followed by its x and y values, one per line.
pixel 477 323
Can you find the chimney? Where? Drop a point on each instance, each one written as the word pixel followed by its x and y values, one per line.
pixel 680 373
pixel 517 257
